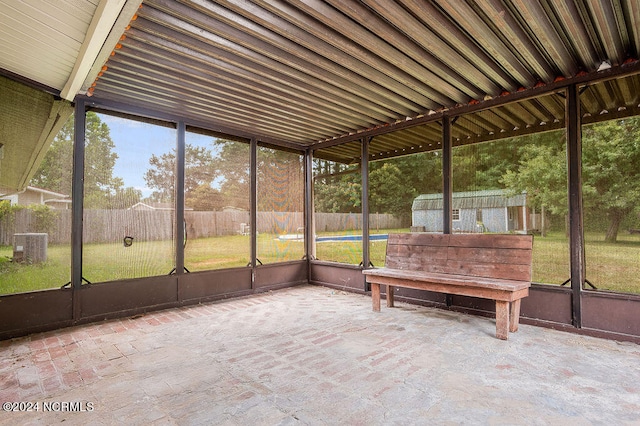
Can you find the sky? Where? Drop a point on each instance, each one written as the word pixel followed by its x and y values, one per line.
pixel 135 143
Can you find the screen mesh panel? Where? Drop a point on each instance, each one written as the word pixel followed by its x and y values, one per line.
pixel 515 185
pixel 216 203
pixel 35 222
pixel 337 195
pixel 611 193
pixel 280 216
pixel 129 202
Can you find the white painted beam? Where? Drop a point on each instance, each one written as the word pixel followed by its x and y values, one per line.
pixel 103 20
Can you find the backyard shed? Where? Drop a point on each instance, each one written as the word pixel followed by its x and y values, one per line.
pixel 478 211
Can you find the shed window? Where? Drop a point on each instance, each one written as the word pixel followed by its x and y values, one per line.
pixel 455 214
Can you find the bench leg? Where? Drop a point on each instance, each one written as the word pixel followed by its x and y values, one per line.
pixel 502 319
pixel 375 296
pixel 514 316
pixel 390 296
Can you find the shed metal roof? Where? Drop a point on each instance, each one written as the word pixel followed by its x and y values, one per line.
pixel 311 73
pixel 486 199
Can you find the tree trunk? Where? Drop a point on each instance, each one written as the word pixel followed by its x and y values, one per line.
pixel 614 225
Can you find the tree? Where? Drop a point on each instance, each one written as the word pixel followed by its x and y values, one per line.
pixel 204 198
pixel 393 184
pixel 199 174
pixel 337 187
pixel 55 171
pixel 541 172
pixel 481 166
pixel 232 168
pixel 101 188
pixel 280 181
pixel 610 171
pixel 422 172
pixel 390 192
pixel 125 198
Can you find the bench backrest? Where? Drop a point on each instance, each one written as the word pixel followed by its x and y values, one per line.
pixel 479 255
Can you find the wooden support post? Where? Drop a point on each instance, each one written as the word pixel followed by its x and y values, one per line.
pixel 375 296
pixel 390 300
pixel 502 319
pixel 514 316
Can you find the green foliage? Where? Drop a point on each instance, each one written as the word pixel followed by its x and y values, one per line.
pixel 219 176
pixel 204 198
pixel 337 188
pixel 393 184
pixel 215 177
pixel 101 188
pixel 160 176
pixel 611 176
pixel 541 172
pixel 44 218
pixel 610 173
pixel 535 164
pixel 481 166
pixel 232 167
pixel 5 209
pixel 280 181
pixel 386 180
pixel 199 173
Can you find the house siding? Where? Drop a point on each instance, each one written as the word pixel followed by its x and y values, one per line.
pixel 494 204
pixel 430 219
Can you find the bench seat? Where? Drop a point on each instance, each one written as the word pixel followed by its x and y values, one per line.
pixel 448 281
pixel 494 267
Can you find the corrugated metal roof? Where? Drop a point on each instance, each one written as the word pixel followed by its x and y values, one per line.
pixel 311 73
pixel 486 199
pixel 305 72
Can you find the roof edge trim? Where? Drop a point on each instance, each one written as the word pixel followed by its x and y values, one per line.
pixel 104 19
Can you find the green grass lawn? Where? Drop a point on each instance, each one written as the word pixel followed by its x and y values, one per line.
pixel 18 278
pixel 614 267
pixel 110 262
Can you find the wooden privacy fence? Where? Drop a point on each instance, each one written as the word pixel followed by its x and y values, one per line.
pixel 25 220
pixel 108 226
pixel 336 222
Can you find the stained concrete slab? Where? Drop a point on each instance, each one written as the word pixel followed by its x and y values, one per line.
pixel 317 356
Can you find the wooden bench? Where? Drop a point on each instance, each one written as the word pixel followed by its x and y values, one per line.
pixel 496 267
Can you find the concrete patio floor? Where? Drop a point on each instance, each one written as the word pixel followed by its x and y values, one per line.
pixel 313 355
